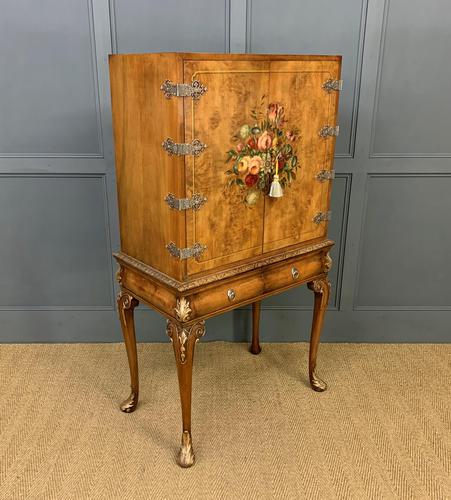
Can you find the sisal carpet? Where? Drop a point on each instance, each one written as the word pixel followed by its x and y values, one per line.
pixel 381 431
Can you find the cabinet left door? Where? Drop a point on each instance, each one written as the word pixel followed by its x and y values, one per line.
pixel 230 230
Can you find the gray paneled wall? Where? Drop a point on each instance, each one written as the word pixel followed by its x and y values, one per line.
pixel 391 203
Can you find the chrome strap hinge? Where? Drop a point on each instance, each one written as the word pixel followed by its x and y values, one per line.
pixel 194 90
pixel 331 85
pixel 180 149
pixel 195 202
pixel 322 216
pixel 328 131
pixel 325 175
pixel 185 253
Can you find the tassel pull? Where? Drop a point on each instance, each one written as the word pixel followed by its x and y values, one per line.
pixel 275 191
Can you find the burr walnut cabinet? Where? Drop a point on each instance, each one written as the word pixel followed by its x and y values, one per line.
pixel 224 169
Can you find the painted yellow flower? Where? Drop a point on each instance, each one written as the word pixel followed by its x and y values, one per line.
pixel 275 141
pixel 255 165
pixel 243 164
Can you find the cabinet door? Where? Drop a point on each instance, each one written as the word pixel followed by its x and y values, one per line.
pixel 231 230
pixel 308 107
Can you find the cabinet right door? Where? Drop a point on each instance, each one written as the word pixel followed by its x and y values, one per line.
pixel 297 86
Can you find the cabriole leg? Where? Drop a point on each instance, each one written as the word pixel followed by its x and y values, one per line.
pixel 255 345
pixel 321 288
pixel 126 304
pixel 184 339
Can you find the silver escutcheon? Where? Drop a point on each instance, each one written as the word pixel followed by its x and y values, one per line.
pixel 231 294
pixel 322 216
pixel 194 203
pixel 194 90
pixel 329 131
pixel 185 253
pixel 295 273
pixel 194 148
pixel 331 85
pixel 325 175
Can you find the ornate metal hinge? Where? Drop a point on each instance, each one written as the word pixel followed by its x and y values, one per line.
pixel 327 131
pixel 180 149
pixel 195 202
pixel 331 85
pixel 325 175
pixel 194 90
pixel 322 216
pixel 185 253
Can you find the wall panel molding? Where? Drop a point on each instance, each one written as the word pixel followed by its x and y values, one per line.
pixel 357 74
pixel 96 90
pixel 110 306
pixel 114 35
pixel 377 98
pixel 394 308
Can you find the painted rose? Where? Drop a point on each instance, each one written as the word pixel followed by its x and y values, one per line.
pixel 255 165
pixel 252 143
pixel 290 135
pixel 245 130
pixel 250 180
pixel 243 164
pixel 266 145
pixel 272 112
pixel 264 141
pixel 281 116
pixel 281 162
pixel 276 113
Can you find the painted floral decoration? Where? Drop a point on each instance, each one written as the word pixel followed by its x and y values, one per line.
pixel 264 154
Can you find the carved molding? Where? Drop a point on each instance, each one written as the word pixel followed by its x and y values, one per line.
pixel 183 287
pixel 182 309
pixel 181 336
pixel 327 262
pixel 126 301
pixel 119 275
pixel 321 285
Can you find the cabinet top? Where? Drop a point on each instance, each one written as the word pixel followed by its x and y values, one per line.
pixel 230 57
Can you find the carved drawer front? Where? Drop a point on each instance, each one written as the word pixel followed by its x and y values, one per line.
pixel 231 294
pixel 291 274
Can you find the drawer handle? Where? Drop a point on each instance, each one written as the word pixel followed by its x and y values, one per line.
pixel 295 273
pixel 231 294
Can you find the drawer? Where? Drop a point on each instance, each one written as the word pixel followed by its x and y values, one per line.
pixel 292 273
pixel 230 294
pixel 246 288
